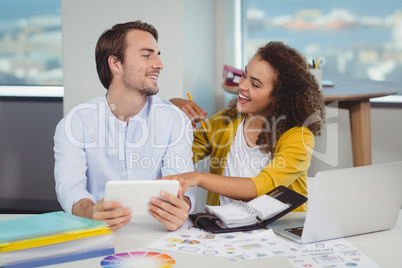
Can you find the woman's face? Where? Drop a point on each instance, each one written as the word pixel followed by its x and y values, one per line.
pixel 255 88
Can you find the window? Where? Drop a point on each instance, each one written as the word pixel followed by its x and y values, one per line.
pixel 360 38
pixel 30 47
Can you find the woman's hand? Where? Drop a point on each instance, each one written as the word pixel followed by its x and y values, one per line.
pixel 190 108
pixel 189 179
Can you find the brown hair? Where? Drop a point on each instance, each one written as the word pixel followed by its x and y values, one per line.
pixel 112 42
pixel 297 98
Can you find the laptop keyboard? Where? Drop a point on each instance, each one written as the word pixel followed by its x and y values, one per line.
pixel 296 230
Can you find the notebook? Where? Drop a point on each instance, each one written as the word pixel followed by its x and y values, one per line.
pixel 346 202
pixel 247 216
pixel 239 213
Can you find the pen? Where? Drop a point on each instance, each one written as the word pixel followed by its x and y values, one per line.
pixel 203 126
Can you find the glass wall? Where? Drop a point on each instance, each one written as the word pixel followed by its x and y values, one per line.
pixel 30 43
pixel 359 38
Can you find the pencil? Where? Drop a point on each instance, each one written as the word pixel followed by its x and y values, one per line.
pixel 316 64
pixel 202 123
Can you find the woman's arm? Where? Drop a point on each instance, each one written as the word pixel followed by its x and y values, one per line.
pixel 292 159
pixel 191 109
pixel 232 187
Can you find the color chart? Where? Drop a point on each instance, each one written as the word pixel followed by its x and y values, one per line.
pixel 138 259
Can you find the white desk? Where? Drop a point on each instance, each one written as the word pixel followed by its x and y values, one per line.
pixel 382 247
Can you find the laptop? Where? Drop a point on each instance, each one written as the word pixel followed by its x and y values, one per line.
pixel 347 202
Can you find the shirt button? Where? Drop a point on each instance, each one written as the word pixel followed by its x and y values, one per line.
pixel 129 173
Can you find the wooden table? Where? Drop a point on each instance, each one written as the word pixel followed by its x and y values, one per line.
pixel 354 95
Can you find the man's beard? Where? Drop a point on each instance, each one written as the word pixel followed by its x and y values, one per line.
pixel 148 91
pixel 142 89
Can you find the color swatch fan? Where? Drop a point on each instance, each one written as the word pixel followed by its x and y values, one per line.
pixel 138 259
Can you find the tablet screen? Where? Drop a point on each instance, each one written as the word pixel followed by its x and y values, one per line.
pixel 137 194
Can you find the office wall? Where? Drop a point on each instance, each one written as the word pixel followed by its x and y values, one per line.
pixel 186 40
pixel 83 23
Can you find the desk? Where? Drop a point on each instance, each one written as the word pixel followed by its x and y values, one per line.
pixel 354 95
pixel 382 247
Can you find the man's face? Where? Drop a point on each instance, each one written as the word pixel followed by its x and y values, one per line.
pixel 142 64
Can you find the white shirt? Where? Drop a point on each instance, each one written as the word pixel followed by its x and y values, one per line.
pixel 242 160
pixel 92 147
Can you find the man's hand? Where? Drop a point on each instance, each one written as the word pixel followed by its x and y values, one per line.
pixel 109 212
pixel 173 213
pixel 190 108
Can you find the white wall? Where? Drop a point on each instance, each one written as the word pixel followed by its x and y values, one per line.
pixel 196 40
pixel 83 23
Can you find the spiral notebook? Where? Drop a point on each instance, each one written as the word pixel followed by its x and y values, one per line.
pixel 240 213
pixel 245 216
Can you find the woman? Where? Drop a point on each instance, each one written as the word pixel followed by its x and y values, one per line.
pixel 265 137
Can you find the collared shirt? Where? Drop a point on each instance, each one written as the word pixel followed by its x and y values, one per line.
pixel 92 147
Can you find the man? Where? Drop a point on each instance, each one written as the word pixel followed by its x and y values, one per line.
pixel 129 134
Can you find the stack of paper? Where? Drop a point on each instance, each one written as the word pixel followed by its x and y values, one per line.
pixel 52 238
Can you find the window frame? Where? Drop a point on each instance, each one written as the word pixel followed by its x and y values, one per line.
pixel 32 91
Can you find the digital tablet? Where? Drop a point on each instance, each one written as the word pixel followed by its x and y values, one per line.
pixel 137 194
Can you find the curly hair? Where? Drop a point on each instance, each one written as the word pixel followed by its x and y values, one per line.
pixel 297 98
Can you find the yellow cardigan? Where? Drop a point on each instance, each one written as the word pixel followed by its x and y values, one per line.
pixel 288 167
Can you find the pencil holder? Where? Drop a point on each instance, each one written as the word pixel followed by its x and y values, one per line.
pixel 317 73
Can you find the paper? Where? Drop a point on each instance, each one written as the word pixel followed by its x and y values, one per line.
pixel 63 250
pixel 189 239
pixel 337 252
pixel 53 239
pixel 331 253
pixel 243 246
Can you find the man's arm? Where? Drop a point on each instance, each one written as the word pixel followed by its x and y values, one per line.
pixel 70 164
pixel 109 212
pixel 83 208
pixel 70 177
